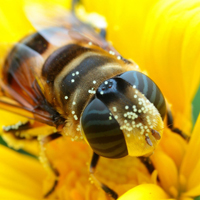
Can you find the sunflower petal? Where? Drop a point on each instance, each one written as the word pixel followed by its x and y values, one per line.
pixel 193 192
pixel 191 171
pixel 10 194
pixel 166 46
pixel 167 172
pixel 14 23
pixel 125 22
pixel 186 198
pixel 21 175
pixel 171 143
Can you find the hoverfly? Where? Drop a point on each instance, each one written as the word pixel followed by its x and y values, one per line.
pixel 68 76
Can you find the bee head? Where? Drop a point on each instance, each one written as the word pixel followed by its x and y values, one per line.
pixel 125 117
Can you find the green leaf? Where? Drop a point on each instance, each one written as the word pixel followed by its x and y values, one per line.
pixel 196 106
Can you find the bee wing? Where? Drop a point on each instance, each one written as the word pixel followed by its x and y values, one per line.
pixel 23 68
pixel 21 83
pixel 65 23
pixel 14 107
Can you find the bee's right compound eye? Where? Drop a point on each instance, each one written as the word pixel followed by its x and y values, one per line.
pixel 102 131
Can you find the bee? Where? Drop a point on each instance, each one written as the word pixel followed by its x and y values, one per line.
pixel 68 76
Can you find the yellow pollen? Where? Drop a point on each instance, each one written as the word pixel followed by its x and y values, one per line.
pixel 126 107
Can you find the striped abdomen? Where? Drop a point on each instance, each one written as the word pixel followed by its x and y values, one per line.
pixel 73 74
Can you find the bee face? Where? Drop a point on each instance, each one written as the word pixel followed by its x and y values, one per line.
pixel 124 118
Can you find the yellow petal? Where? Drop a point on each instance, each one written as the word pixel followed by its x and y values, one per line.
pixel 192 155
pixel 126 22
pixel 167 172
pixel 186 198
pixel 193 180
pixel 190 165
pixel 10 194
pixel 14 23
pixel 171 143
pixel 166 47
pixel 145 192
pixel 21 175
pixel 193 192
pixel 10 119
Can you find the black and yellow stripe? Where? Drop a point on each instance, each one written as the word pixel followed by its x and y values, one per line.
pixel 73 71
pixel 103 134
pixel 147 87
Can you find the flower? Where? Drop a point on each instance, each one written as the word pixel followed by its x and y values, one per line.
pixel 178 170
pixel 159 36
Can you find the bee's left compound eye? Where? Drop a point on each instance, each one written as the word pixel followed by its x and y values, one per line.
pixel 102 131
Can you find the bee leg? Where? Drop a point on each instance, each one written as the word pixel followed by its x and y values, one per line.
pixel 46 161
pixel 93 164
pixel 53 187
pixel 148 163
pixel 170 123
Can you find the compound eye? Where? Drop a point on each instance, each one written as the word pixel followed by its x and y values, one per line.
pixel 102 131
pixel 147 87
